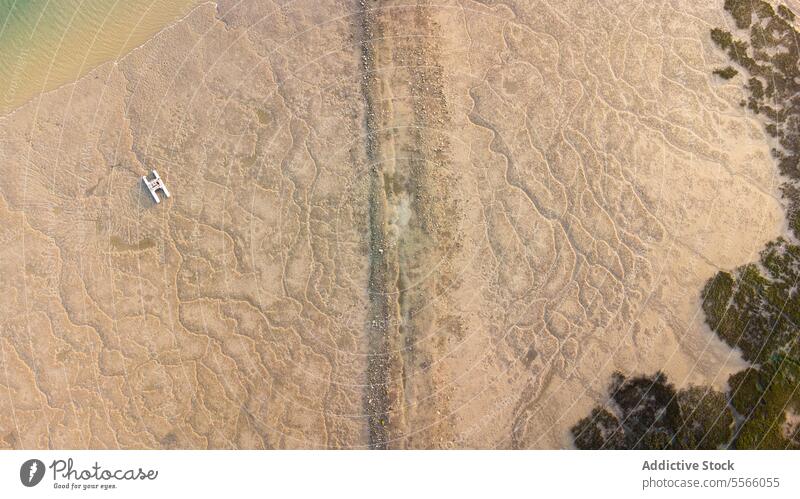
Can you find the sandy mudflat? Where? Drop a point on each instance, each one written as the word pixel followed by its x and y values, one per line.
pixel 414 224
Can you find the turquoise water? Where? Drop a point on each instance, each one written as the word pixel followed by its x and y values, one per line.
pixel 47 43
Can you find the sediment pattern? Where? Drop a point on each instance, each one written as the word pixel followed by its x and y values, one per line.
pixel 413 219
pixel 769 56
pixel 394 224
pixel 231 315
pixel 753 308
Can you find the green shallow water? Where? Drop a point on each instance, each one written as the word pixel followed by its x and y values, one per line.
pixel 47 43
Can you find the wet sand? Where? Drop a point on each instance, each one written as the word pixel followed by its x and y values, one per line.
pixel 393 225
pixel 46 44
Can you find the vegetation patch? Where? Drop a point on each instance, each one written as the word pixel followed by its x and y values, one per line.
pixel 726 73
pixel 770 58
pixel 755 308
pixel 647 412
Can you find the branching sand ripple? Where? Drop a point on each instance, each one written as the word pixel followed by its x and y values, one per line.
pixel 393 224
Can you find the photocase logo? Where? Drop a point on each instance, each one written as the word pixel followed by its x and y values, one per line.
pixel 31 472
